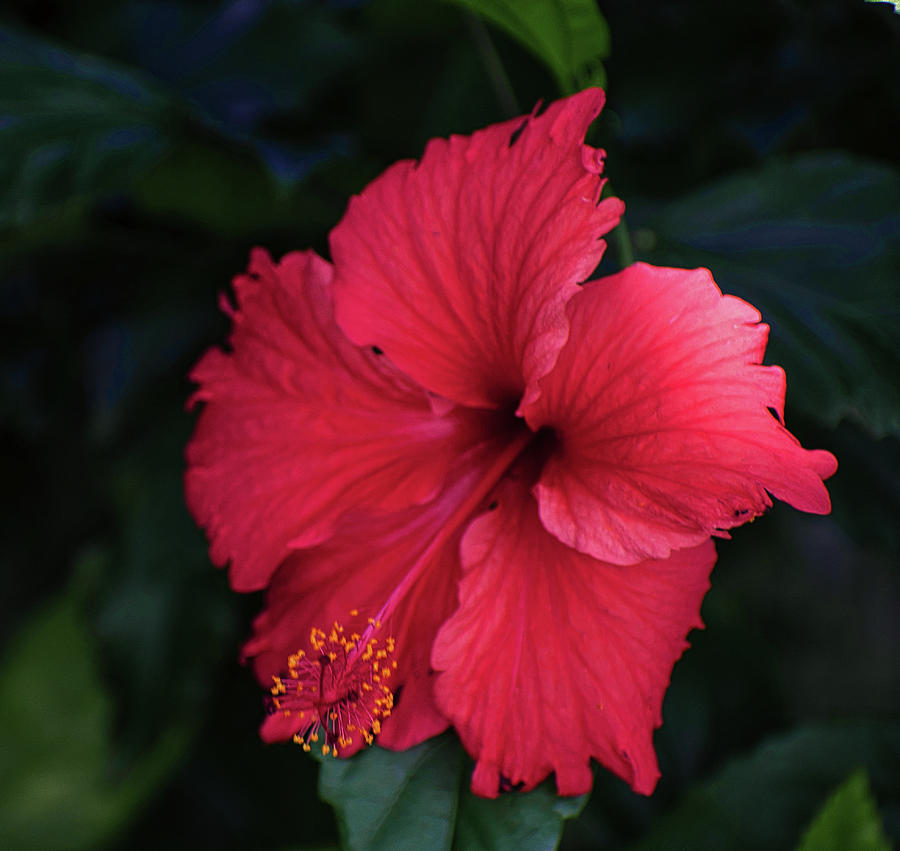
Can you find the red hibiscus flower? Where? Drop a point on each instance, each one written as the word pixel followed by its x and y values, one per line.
pixel 480 491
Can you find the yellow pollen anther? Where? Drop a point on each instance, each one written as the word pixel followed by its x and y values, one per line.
pixel 338 691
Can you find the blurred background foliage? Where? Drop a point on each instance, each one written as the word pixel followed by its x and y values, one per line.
pixel 147 145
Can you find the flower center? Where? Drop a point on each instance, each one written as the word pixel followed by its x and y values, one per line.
pixel 338 689
pixel 545 442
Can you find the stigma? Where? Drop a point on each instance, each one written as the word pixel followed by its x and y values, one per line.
pixel 337 688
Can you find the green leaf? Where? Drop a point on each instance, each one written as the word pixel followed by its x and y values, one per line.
pixel 222 190
pixel 764 800
pixel 814 243
pixel 894 3
pixel 570 36
pixel 275 58
pixel 71 126
pixel 74 127
pixel 420 798
pixel 158 595
pixel 395 800
pixel 848 819
pixel 515 822
pixel 58 788
pixel 247 72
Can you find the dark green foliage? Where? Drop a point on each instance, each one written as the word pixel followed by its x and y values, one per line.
pixel 765 800
pixel 570 36
pixel 848 819
pixel 420 798
pixel 59 788
pixel 814 242
pixel 74 126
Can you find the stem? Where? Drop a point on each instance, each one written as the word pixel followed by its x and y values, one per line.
pixel 503 89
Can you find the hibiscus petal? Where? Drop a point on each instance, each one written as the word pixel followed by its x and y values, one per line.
pixel 554 657
pixel 299 425
pixel 459 266
pixel 357 570
pixel 663 417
